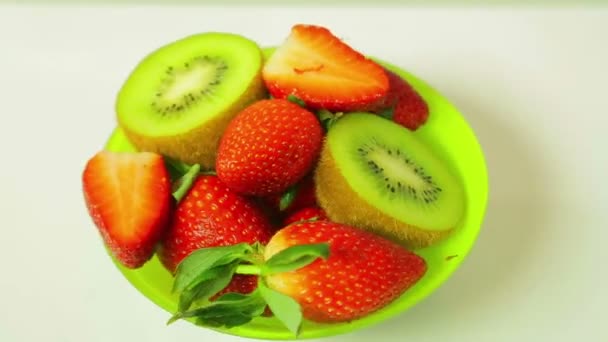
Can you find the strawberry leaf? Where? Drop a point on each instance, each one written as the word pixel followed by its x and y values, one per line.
pixel 294 99
pixel 295 257
pixel 205 286
pixel 201 260
pixel 233 320
pixel 284 308
pixel 327 118
pixel 324 114
pixel 186 299
pixel 288 197
pixel 184 183
pixel 229 310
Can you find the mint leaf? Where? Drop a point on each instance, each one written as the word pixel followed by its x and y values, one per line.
pixel 229 310
pixel 187 297
pixel 184 183
pixel 295 257
pixel 328 118
pixel 294 99
pixel 284 308
pixel 228 321
pixel 212 286
pixel 207 285
pixel 324 115
pixel 203 259
pixel 288 197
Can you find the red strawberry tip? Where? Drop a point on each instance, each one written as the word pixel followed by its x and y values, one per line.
pixel 403 104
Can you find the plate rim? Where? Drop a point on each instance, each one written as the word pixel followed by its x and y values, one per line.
pixel 440 279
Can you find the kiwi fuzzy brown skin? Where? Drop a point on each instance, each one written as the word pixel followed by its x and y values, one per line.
pixel 205 137
pixel 329 182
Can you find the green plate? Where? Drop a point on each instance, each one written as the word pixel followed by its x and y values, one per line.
pixel 447 132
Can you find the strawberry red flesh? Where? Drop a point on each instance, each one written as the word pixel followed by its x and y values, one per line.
pixel 323 71
pixel 128 196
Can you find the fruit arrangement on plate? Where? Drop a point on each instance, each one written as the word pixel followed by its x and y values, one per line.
pixel 287 190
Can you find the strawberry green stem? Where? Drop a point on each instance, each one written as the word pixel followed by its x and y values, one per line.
pixel 294 99
pixel 328 118
pixel 248 269
pixel 184 183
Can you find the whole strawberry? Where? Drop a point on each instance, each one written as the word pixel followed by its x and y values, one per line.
pixel 405 105
pixel 316 270
pixel 128 196
pixel 364 272
pixel 211 215
pixel 268 147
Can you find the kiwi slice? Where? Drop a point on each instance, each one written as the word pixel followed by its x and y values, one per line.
pixel 180 98
pixel 377 175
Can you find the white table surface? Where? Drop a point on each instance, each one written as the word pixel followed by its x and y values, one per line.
pixel 533 83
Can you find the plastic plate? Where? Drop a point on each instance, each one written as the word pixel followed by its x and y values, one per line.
pixel 447 132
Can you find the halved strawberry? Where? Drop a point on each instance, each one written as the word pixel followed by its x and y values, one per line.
pixel 323 71
pixel 128 196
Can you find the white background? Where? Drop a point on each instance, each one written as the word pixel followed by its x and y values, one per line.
pixel 533 83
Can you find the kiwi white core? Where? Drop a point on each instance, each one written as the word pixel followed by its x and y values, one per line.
pixel 396 169
pixel 179 86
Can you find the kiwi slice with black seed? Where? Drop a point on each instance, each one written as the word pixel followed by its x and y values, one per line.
pixel 180 98
pixel 377 175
